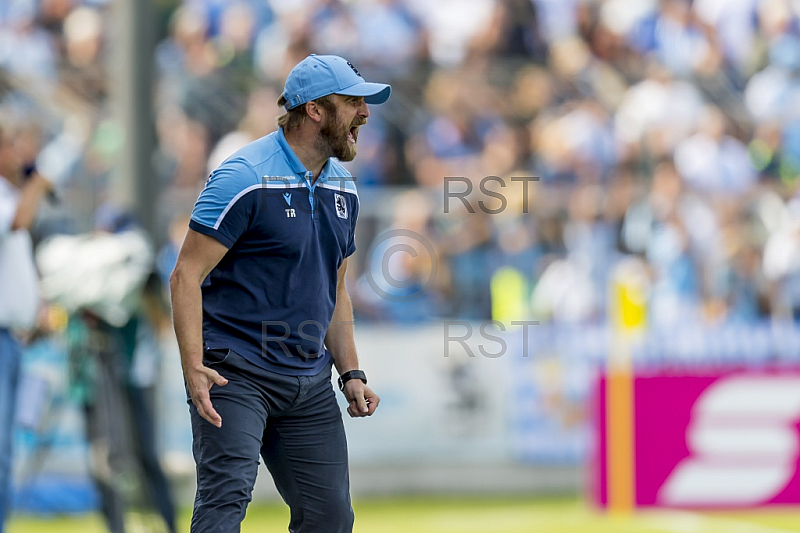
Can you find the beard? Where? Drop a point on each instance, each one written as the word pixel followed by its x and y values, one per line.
pixel 333 139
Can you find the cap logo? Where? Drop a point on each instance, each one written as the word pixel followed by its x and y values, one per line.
pixel 354 69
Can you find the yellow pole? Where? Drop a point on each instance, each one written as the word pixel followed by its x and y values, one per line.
pixel 619 427
pixel 628 308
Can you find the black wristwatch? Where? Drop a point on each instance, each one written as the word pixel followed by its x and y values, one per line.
pixel 352 374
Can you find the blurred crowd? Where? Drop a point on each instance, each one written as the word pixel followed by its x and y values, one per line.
pixel 664 129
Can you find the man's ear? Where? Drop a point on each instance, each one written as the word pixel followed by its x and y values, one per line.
pixel 314 111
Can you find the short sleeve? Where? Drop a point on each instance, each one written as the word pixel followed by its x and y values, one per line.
pixel 9 201
pixel 224 210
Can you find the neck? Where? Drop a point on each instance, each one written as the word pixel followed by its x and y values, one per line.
pixel 302 144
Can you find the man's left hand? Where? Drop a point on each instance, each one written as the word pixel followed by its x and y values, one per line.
pixel 362 401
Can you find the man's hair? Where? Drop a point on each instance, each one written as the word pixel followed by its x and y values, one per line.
pixel 294 117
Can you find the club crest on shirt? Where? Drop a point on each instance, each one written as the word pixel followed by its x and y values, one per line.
pixel 341 206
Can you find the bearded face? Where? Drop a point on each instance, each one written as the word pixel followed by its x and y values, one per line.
pixel 337 136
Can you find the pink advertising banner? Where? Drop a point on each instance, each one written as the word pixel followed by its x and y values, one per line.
pixel 712 440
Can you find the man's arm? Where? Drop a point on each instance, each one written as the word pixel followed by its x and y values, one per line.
pixel 29 200
pixel 198 256
pixel 340 342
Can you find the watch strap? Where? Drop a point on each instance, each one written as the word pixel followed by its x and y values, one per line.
pixel 352 374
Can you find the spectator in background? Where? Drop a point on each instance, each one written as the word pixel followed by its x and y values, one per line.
pixel 332 26
pixel 514 32
pixel 113 358
pixel 680 42
pixel 390 37
pixel 732 21
pixel 21 194
pixel 84 68
pixel 112 370
pixel 655 115
pixel 26 49
pixel 398 277
pixel 662 227
pixel 711 160
pixel 468 247
pixel 259 120
pixel 781 262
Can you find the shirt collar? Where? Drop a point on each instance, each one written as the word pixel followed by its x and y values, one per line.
pixel 296 164
pixel 325 172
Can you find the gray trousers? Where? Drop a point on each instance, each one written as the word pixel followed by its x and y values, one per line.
pixel 294 424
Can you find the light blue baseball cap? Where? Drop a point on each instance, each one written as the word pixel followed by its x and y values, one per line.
pixel 318 76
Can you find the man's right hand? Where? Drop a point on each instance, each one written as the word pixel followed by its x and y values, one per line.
pixel 199 380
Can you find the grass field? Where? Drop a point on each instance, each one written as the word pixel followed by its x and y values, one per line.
pixel 470 515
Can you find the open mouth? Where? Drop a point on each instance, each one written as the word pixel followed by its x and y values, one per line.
pixel 352 135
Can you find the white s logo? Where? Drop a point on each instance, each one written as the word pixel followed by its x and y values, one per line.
pixel 743 443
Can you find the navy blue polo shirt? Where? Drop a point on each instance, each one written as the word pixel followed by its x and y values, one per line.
pixel 271 297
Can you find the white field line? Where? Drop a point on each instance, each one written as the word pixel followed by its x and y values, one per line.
pixel 693 522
